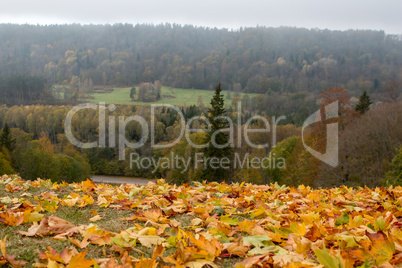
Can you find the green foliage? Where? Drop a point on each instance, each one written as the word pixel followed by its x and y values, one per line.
pixel 7 144
pixel 71 169
pixel 5 162
pixel 184 150
pixel 41 159
pixel 37 163
pixel 133 92
pixel 344 219
pixel 394 175
pixel 178 174
pixel 327 260
pixel 282 150
pixel 301 166
pixel 364 103
pixel 5 138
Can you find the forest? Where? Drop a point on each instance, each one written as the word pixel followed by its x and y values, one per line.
pixel 260 60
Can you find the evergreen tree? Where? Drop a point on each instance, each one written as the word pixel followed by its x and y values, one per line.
pixel 217 137
pixel 364 103
pixel 133 92
pixel 6 139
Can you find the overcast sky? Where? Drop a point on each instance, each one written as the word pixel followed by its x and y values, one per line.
pixel 334 14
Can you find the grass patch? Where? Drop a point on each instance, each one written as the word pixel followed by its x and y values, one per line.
pixel 173 96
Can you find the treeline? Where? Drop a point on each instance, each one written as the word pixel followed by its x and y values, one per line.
pixel 261 60
pixel 39 158
pixel 24 89
pixel 40 139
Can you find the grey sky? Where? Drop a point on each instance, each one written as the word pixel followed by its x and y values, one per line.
pixel 335 14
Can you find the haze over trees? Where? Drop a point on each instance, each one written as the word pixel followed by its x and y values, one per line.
pixel 24 89
pixel 289 67
pixel 260 60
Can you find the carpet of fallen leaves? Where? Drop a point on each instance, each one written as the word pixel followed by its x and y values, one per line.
pixel 205 225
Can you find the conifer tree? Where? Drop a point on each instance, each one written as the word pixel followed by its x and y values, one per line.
pixel 364 103
pixel 220 138
pixel 6 139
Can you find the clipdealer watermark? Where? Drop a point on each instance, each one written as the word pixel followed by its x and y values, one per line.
pixel 174 161
pixel 198 160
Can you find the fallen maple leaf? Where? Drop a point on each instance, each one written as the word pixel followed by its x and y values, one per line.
pixel 51 225
pixel 95 218
pixel 10 217
pixel 146 263
pixel 83 244
pixel 79 261
pixel 382 248
pixel 98 236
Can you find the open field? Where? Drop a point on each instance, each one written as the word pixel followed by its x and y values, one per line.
pixel 203 225
pixel 174 96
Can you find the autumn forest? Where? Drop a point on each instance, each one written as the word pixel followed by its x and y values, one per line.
pixel 253 147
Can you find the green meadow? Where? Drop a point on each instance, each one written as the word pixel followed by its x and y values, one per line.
pixel 173 96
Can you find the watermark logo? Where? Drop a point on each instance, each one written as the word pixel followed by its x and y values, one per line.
pixel 199 160
pixel 243 129
pixel 330 157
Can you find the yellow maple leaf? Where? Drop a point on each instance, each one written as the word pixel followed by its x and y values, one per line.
pixel 79 261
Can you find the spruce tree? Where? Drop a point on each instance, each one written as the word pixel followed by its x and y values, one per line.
pixel 220 138
pixel 364 103
pixel 6 139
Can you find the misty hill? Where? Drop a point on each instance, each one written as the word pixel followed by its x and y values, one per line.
pixel 260 59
